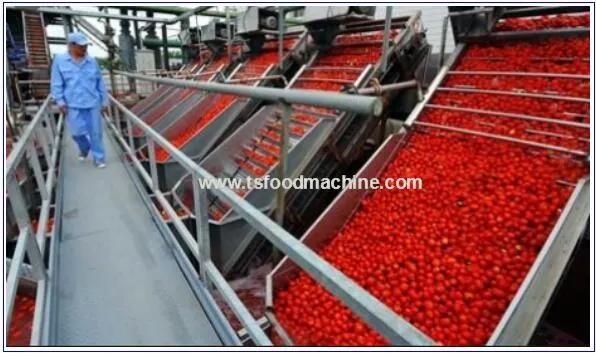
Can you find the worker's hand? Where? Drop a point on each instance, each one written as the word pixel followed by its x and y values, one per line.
pixel 63 109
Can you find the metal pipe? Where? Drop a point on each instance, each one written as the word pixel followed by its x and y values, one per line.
pixel 388 10
pixel 576 115
pixel 516 94
pixel 388 88
pixel 197 10
pixel 253 79
pixel 331 68
pixel 279 330
pixel 510 115
pixel 286 114
pixel 553 134
pixel 62 11
pixel 542 10
pixel 25 82
pixel 531 58
pixel 352 103
pixel 376 314
pixel 371 28
pixel 12 277
pixel 40 302
pixel 502 138
pixel 516 73
pixel 153 43
pixel 332 80
pixel 168 10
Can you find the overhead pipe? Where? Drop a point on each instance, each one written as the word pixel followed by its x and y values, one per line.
pixel 62 11
pixel 341 101
pixel 196 11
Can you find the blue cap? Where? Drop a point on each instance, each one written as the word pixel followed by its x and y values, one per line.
pixel 78 38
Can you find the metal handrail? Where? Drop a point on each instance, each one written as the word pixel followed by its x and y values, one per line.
pixel 372 311
pixel 42 132
pixel 347 102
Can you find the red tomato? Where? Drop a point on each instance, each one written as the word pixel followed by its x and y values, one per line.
pixel 449 258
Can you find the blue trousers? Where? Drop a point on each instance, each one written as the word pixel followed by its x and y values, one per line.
pixel 86 128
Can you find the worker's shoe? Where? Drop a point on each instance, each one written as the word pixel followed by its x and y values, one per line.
pixel 82 156
pixel 100 165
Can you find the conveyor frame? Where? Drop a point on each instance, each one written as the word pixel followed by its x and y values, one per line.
pixel 525 310
pixel 370 309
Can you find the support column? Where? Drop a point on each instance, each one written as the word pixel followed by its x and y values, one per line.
pixel 166 53
pixel 138 39
pixel 152 35
pixel 127 49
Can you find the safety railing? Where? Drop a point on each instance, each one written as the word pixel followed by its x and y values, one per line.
pixel 372 311
pixel 41 138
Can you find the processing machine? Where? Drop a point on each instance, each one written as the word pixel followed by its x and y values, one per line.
pixel 351 60
pixel 517 86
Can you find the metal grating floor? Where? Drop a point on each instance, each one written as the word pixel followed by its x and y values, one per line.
pixel 117 280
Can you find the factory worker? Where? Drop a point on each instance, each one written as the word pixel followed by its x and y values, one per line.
pixel 79 91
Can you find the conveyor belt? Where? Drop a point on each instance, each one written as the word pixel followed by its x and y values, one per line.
pixel 117 280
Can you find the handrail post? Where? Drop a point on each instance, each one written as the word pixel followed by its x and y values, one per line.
pixel 131 141
pixel 282 171
pixel 52 122
pixel 202 225
pixel 152 164
pixel 49 131
pixel 43 141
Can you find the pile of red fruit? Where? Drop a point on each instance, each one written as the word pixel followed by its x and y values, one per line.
pixel 543 85
pixel 140 106
pixel 49 225
pixel 179 94
pixel 333 69
pixel 551 55
pixel 450 257
pixel 341 64
pixel 447 258
pixel 256 65
pixel 219 105
pixel 253 67
pixel 549 107
pixel 543 22
pixel 19 334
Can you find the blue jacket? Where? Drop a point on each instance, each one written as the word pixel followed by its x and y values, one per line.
pixel 78 85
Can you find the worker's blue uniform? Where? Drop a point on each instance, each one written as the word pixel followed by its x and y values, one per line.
pixel 79 86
